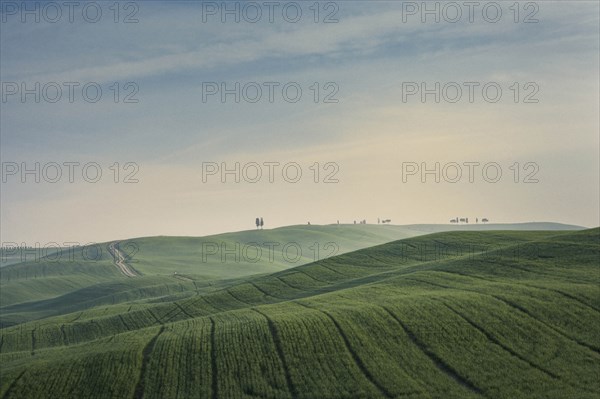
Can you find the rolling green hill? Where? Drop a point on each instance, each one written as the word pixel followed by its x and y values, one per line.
pixel 87 276
pixel 469 314
pixel 76 279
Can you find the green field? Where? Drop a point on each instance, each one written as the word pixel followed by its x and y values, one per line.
pixel 465 314
pixel 82 278
pixel 86 277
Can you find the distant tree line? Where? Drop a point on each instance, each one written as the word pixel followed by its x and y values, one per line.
pixel 466 220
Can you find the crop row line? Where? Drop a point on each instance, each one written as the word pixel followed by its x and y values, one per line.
pixel 357 360
pixel 497 342
pixel 147 351
pixel 567 295
pixel 213 360
pixel 280 353
pixel 8 392
pixel 521 309
pixel 437 361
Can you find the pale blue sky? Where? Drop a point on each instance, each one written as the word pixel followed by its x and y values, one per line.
pixel 369 133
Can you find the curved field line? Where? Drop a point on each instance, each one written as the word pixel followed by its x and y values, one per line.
pixel 357 360
pixel 534 272
pixel 385 262
pixel 313 278
pixel 76 318
pixel 248 304
pixel 123 322
pixel 567 295
pixel 12 386
pixel 217 309
pixel 290 285
pixel 171 314
pixel 437 361
pixel 265 292
pixel 183 310
pixel 497 342
pixel 434 284
pixel 62 333
pixel 575 299
pixel 556 330
pixel 213 361
pixel 139 388
pixel 332 270
pixel 153 315
pixel 314 268
pixel 520 308
pixel 33 342
pixel 202 303
pixel 279 349
pixel 176 311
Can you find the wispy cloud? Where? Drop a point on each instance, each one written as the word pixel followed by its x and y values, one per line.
pixel 370 132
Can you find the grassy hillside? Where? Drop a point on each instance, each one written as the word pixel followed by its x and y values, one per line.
pixel 76 279
pixel 449 315
pixel 84 277
pixel 528 226
pixel 258 251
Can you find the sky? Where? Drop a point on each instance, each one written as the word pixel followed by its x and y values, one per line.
pixel 359 115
